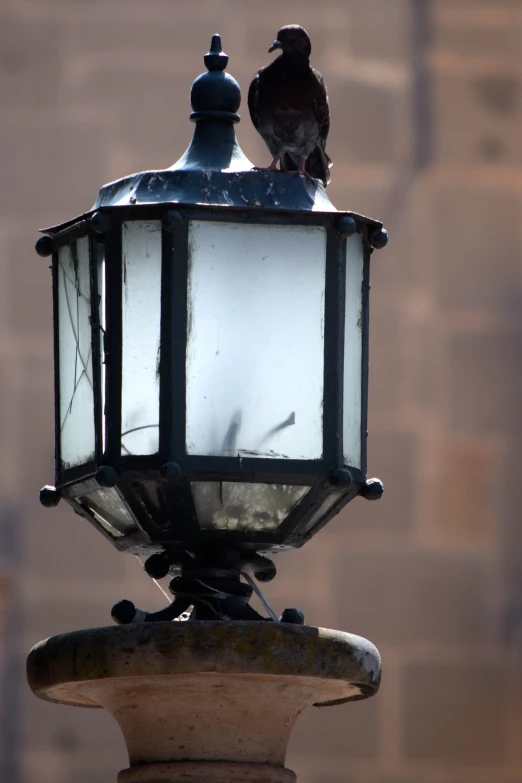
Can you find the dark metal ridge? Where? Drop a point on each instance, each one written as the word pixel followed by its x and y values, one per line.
pixel 233 187
pixel 143 212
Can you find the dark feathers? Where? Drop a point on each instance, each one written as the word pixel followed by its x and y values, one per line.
pixel 288 105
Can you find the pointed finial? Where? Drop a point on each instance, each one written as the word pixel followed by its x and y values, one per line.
pixel 216 59
pixel 216 94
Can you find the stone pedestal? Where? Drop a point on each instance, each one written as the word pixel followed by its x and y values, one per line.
pixel 212 702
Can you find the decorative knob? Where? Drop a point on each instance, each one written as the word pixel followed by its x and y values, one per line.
pixel 49 496
pixel 373 489
pixel 216 59
pixel 106 476
pixel 341 477
pixel 379 239
pixel 216 94
pixel 347 226
pixel 44 246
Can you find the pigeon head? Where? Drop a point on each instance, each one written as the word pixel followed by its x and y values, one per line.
pixel 294 40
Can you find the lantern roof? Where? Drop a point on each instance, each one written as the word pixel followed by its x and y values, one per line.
pixel 214 171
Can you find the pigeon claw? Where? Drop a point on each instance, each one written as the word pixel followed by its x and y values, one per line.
pixel 272 167
pixel 305 174
pixel 303 171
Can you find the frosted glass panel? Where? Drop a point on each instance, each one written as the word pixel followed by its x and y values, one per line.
pixel 255 340
pixel 353 352
pixel 141 248
pixel 234 506
pixel 107 508
pixel 323 510
pixel 75 354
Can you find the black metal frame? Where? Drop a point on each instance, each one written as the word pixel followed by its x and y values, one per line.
pixel 96 352
pixel 135 473
pixel 365 356
pixel 113 350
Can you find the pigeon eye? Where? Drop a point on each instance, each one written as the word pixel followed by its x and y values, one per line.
pixel 292 36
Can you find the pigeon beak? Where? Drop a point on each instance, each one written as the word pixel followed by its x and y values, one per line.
pixel 276 45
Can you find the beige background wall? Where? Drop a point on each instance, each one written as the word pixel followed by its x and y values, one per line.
pixel 426 135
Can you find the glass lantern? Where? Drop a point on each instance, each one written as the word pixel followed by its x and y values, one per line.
pixel 211 349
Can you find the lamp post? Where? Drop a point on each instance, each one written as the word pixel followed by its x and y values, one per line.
pixel 211 360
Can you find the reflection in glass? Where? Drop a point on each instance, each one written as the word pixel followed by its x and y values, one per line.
pixel 109 511
pixel 141 248
pixel 153 497
pixel 230 506
pixel 75 354
pixel 353 352
pixel 255 348
pixel 323 510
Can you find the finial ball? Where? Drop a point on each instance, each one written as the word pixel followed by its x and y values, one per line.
pixel 215 90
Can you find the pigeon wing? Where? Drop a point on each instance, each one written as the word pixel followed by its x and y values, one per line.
pixel 253 99
pixel 321 108
pixel 318 163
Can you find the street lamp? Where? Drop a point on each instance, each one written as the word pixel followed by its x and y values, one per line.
pixel 211 355
pixel 211 365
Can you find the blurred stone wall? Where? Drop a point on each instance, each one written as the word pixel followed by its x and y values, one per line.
pixel 426 135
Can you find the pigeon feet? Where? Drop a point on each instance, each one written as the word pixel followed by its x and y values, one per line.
pixel 266 168
pixel 272 167
pixel 305 174
pixel 302 170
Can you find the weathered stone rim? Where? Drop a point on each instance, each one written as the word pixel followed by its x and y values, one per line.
pixel 179 648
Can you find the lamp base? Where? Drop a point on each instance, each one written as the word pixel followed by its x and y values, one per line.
pixel 212 702
pixel 208 582
pixel 207 772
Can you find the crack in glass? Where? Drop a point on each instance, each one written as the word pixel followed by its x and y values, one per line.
pixel 74 321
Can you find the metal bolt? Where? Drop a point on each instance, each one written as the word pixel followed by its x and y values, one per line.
pixel 293 616
pixel 44 246
pixel 171 472
pixel 373 489
pixel 341 477
pixel 123 612
pixel 157 566
pixel 347 226
pixel 266 574
pixel 379 239
pixel 106 476
pixel 49 496
pixel 101 223
pixel 172 221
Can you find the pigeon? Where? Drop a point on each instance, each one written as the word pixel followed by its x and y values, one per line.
pixel 288 105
